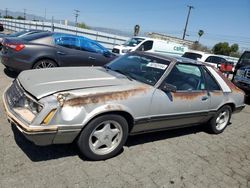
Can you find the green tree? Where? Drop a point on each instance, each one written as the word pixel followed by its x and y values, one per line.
pixel 197 46
pixel 8 17
pixel 83 26
pixel 20 18
pixel 223 48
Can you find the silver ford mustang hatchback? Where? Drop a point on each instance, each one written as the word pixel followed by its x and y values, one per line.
pixel 136 93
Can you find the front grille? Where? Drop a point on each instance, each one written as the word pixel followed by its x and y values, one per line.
pixel 247 75
pixel 115 50
pixel 14 94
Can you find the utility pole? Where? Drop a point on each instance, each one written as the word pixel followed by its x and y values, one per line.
pixel 24 14
pixel 185 29
pixel 6 12
pixel 45 14
pixel 76 15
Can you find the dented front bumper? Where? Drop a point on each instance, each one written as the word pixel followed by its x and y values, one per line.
pixel 40 134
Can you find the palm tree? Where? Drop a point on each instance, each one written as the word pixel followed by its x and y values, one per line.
pixel 136 30
pixel 200 33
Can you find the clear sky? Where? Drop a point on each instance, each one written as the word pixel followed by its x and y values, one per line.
pixel 221 20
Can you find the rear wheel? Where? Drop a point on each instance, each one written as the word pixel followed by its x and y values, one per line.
pixel 221 119
pixel 44 63
pixel 103 137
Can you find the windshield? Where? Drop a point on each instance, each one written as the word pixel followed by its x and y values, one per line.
pixel 16 34
pixel 245 58
pixel 142 68
pixel 193 56
pixel 133 42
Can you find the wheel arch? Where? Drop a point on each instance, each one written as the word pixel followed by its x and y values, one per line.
pixel 129 118
pixel 231 104
pixel 44 58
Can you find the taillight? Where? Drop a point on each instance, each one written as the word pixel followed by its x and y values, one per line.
pixel 16 47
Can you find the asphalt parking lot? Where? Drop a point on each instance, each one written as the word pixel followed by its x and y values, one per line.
pixel 189 157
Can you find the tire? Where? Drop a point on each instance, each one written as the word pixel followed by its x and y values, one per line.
pixel 103 137
pixel 44 63
pixel 221 119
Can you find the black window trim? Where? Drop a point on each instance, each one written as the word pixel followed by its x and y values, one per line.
pixel 204 68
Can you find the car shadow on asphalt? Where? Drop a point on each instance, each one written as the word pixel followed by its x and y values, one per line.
pixel 10 74
pixel 43 153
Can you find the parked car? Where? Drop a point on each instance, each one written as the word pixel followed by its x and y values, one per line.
pixel 212 59
pixel 136 93
pixel 150 45
pixel 241 76
pixel 48 49
pixel 1 27
pixel 19 34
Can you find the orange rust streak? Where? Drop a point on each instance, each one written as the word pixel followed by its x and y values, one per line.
pixel 229 83
pixel 187 95
pixel 104 97
pixel 216 93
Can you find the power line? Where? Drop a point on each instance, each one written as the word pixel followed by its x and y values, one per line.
pixel 185 29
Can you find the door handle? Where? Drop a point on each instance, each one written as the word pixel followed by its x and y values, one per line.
pixel 92 58
pixel 204 98
pixel 60 53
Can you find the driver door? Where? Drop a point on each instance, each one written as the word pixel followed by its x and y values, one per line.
pixel 188 105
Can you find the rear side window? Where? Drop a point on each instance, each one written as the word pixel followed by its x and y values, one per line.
pixel 211 84
pixel 215 59
pixel 68 42
pixel 193 56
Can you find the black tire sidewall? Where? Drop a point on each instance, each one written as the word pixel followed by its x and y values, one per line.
pixel 83 140
pixel 213 120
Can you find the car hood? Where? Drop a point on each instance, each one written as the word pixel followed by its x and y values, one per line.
pixel 44 82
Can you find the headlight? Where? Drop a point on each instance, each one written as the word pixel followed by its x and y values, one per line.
pixel 126 50
pixel 27 108
pixel 34 107
pixel 240 72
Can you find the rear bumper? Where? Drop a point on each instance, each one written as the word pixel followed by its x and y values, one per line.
pixel 14 63
pixel 40 135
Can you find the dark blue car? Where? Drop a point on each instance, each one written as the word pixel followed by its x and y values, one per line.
pixel 49 49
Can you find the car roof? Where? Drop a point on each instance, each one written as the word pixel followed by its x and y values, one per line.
pixel 171 58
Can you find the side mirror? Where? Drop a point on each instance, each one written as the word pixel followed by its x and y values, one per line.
pixel 168 87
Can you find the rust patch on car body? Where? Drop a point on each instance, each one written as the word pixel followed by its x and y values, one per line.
pixel 113 107
pixel 216 93
pixel 104 97
pixel 187 95
pixel 230 84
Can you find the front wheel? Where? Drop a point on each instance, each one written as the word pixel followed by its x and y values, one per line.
pixel 221 119
pixel 44 63
pixel 103 137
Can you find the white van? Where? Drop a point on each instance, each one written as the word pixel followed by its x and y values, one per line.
pixel 150 45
